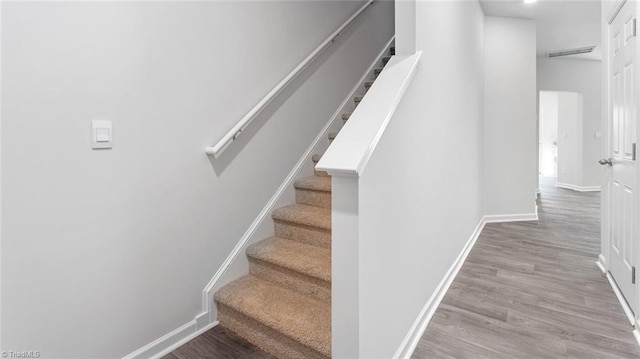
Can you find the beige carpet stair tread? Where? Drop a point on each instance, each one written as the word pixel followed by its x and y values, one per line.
pixel 304 215
pixel 297 316
pixel 303 258
pixel 314 183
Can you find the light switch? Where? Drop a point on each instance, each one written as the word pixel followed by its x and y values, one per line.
pixel 101 134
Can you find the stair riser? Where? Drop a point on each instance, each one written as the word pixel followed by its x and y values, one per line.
pixel 313 198
pixel 308 235
pixel 264 337
pixel 313 287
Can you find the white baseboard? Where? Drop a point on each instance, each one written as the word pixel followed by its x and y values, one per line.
pixel 420 325
pixel 602 264
pixel 170 342
pixel 623 302
pixel 511 217
pixel 578 188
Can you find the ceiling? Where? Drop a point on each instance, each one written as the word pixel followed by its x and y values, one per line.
pixel 561 24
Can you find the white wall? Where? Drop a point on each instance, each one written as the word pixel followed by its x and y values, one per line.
pixel 105 251
pixel 570 144
pixel 407 207
pixel 510 125
pixel 581 76
pixel 548 139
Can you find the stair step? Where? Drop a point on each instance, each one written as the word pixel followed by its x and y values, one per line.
pixel 368 84
pixel 345 116
pixel 280 321
pixel 357 99
pixel 314 191
pixel 386 59
pixel 303 223
pixel 293 265
pixel 316 158
pixel 321 173
pixel 392 50
pixel 333 135
pixel 377 71
pixel 313 183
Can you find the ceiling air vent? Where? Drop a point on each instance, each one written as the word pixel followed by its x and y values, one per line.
pixel 578 51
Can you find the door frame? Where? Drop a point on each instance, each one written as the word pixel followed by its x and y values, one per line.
pixel 609 11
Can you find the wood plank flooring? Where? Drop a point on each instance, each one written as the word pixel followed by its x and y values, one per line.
pixel 532 290
pixel 218 343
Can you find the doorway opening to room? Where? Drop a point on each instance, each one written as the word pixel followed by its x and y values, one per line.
pixel 561 139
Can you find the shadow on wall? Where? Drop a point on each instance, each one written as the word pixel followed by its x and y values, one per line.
pixel 220 164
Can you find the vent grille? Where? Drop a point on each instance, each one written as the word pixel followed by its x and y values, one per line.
pixel 578 51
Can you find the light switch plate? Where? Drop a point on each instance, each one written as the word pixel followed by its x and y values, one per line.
pixel 101 134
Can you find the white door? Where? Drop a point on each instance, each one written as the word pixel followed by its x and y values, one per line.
pixel 622 131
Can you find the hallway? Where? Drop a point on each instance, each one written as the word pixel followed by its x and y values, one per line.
pixel 532 289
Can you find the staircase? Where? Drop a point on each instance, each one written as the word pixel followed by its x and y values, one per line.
pixel 283 305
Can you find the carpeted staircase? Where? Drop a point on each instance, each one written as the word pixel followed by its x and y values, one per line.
pixel 284 305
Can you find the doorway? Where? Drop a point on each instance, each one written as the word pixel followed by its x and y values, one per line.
pixel 560 143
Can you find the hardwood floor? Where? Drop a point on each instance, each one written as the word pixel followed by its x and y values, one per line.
pixel 218 343
pixel 532 290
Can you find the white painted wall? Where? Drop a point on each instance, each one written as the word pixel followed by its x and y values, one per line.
pixel 570 170
pixel 105 251
pixel 510 125
pixel 548 139
pixel 584 77
pixel 407 206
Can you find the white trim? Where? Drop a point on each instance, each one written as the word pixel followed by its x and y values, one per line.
pixel 511 217
pixel 170 342
pixel 207 293
pixel 420 325
pixel 616 11
pixel 636 335
pixel 602 264
pixel 623 302
pixel 351 150
pixel 203 320
pixel 578 188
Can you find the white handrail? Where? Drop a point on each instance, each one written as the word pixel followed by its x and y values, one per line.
pixel 350 152
pixel 236 130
